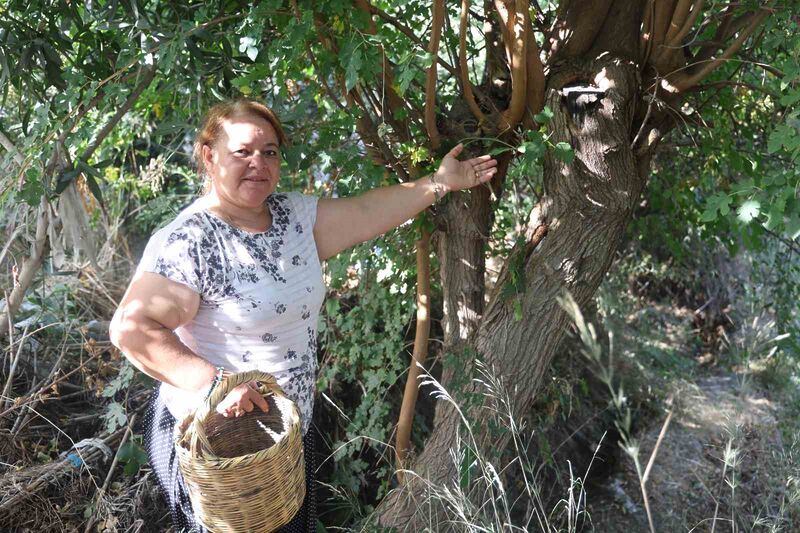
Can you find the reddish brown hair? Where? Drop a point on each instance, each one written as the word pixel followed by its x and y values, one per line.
pixel 219 113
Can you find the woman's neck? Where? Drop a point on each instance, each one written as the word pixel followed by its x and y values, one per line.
pixel 245 218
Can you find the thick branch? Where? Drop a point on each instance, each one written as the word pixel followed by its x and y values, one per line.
pixel 661 21
pixel 395 103
pixel 430 79
pixel 678 18
pixel 727 29
pixel 675 40
pixel 516 27
pixel 536 80
pixel 646 41
pixel 408 32
pixel 420 351
pixel 11 149
pixel 682 81
pixel 462 63
pixel 30 267
pixel 575 34
pixel 149 74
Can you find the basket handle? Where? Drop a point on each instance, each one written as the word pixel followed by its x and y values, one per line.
pixel 198 440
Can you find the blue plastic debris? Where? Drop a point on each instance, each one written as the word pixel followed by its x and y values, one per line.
pixel 74 459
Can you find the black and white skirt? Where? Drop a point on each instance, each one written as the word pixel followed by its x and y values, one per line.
pixel 159 425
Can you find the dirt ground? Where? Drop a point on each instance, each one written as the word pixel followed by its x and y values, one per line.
pixel 719 465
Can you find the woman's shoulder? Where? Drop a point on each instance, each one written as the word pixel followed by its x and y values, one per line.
pixel 294 204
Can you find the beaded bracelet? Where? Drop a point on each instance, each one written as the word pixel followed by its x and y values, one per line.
pixel 217 381
pixel 436 188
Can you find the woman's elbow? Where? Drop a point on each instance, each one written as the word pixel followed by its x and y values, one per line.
pixel 121 328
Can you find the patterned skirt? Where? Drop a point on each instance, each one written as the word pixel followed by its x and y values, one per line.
pixel 159 424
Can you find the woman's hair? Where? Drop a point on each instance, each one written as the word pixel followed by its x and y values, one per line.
pixel 212 125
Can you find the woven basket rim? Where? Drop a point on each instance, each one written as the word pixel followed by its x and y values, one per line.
pixel 182 439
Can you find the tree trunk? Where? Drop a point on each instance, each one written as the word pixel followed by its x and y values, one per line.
pixel 584 211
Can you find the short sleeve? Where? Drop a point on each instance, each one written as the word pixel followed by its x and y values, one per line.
pixel 175 254
pixel 306 206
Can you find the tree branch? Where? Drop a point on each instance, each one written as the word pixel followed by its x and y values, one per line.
pixel 787 242
pixel 430 79
pixel 406 418
pixel 515 28
pixel 661 21
pixel 684 81
pixel 11 149
pixel 462 63
pixel 149 74
pixel 646 42
pixel 30 267
pixel 575 34
pixel 395 103
pixel 732 83
pixel 536 81
pixel 678 18
pixel 676 39
pixel 408 32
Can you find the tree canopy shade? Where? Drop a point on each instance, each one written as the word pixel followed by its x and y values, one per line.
pixel 573 97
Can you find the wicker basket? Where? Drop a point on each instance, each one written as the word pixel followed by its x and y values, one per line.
pixel 247 473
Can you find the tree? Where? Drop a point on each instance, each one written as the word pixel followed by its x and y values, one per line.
pixel 574 98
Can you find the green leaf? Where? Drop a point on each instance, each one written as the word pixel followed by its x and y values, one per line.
pixel 793 226
pixel 125 452
pixel 709 215
pixel 749 210
pixel 115 416
pixel 544 116
pixel 65 178
pixel 563 151
pixel 353 67
pixel 32 190
pixel 89 174
pixel 775 216
pixel 790 98
pixel 781 136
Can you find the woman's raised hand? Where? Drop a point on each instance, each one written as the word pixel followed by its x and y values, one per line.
pixel 455 175
pixel 242 399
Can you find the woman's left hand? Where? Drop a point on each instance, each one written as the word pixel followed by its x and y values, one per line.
pixel 454 175
pixel 242 399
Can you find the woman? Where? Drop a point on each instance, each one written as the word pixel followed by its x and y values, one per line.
pixel 235 283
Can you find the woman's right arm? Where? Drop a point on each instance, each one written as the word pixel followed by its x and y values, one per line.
pixel 143 329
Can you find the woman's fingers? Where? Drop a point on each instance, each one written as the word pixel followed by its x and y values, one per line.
pixel 457 149
pixel 243 399
pixel 261 402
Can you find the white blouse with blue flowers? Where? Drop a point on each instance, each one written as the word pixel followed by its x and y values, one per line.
pixel 260 294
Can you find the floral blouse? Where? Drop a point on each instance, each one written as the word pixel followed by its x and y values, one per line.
pixel 260 294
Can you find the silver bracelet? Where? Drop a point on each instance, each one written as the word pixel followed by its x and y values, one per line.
pixel 436 190
pixel 217 381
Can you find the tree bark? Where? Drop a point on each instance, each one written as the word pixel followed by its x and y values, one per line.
pixel 30 267
pixel 585 208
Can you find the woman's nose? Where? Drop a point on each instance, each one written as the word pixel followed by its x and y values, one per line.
pixel 258 160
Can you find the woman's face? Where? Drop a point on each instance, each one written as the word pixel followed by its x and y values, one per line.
pixel 244 163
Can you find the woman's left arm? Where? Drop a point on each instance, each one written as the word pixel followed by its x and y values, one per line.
pixel 345 222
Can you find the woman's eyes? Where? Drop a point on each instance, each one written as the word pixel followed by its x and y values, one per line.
pixel 270 154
